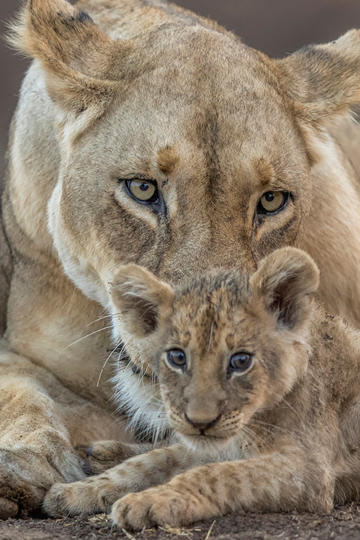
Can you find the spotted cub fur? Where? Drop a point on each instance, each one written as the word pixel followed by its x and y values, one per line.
pixel 260 386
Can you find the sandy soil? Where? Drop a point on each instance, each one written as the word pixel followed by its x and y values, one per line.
pixel 343 523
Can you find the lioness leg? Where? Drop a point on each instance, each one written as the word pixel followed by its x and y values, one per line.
pixel 35 447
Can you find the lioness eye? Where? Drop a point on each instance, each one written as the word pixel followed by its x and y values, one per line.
pixel 240 362
pixel 272 202
pixel 143 191
pixel 176 358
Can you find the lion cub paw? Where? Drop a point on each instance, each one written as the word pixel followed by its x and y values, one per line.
pixel 159 506
pixel 103 455
pixel 73 499
pixel 65 499
pixel 96 494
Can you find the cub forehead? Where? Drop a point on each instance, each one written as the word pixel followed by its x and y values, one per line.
pixel 217 289
pixel 209 307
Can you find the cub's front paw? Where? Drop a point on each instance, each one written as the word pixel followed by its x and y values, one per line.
pixel 65 499
pixel 93 495
pixel 162 506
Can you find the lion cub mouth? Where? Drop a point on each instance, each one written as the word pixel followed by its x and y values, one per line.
pixel 212 446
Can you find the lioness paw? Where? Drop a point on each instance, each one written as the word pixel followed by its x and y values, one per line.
pixel 8 508
pixel 25 476
pixel 160 506
pixel 18 497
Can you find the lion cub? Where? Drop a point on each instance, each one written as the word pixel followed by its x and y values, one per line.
pixel 260 386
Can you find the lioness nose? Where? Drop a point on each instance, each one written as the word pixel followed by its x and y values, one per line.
pixel 202 424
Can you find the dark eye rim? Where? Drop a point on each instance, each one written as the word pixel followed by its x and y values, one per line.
pixel 154 200
pixel 232 370
pixel 174 365
pixel 260 210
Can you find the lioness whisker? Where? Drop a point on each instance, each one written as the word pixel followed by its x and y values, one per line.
pixel 104 317
pixel 105 364
pixel 87 336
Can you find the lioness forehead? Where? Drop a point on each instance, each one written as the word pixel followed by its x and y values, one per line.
pixel 204 111
pixel 203 89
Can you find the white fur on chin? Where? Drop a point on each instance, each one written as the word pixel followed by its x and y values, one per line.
pixel 139 398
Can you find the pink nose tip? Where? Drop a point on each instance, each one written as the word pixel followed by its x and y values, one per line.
pixel 203 424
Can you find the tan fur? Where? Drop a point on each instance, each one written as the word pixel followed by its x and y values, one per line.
pixel 282 435
pixel 146 89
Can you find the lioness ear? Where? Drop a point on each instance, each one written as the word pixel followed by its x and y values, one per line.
pixel 142 300
pixel 283 282
pixel 77 57
pixel 323 80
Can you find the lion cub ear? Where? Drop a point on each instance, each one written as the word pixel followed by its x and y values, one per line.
pixel 283 282
pixel 140 299
pixel 77 57
pixel 323 80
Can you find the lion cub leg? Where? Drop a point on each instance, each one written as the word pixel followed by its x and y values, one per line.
pixel 276 482
pixel 104 455
pixel 98 493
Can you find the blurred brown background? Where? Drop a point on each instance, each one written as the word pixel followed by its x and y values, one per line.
pixel 274 26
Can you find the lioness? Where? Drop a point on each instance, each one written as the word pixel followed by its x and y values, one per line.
pixel 147 134
pixel 249 367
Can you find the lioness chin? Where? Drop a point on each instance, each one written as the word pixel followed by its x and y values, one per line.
pixel 261 387
pixel 147 134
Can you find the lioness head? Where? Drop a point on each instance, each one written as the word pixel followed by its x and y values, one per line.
pixel 181 149
pixel 225 346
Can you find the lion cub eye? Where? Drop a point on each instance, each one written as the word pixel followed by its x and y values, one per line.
pixel 176 358
pixel 240 362
pixel 272 202
pixel 143 191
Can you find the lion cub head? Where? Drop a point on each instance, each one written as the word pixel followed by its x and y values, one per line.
pixel 225 346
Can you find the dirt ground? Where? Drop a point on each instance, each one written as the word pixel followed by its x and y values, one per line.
pixel 343 523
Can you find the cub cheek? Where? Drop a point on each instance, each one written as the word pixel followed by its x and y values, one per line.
pixel 172 398
pixel 262 399
pixel 172 380
pixel 255 399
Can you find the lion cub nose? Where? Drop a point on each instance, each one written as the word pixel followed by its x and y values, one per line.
pixel 202 423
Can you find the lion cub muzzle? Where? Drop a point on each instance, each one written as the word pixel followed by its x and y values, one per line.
pixel 202 424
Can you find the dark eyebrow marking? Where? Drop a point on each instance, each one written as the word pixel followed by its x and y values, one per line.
pixel 266 172
pixel 167 159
